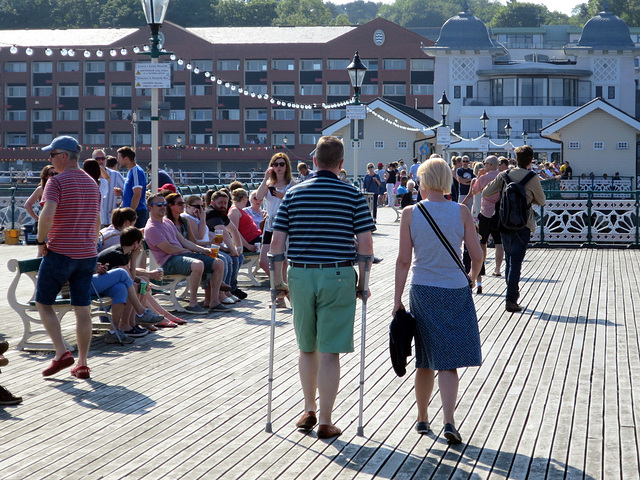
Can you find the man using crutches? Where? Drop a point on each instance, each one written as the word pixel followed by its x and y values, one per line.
pixel 319 218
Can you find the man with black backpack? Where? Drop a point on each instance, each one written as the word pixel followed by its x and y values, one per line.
pixel 519 188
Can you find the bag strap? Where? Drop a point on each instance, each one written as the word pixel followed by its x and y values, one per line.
pixel 443 239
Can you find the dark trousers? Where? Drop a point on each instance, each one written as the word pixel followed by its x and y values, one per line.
pixel 515 246
pixel 143 216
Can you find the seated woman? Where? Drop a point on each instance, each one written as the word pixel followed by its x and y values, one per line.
pixel 255 211
pixel 121 218
pixel 243 221
pixel 46 173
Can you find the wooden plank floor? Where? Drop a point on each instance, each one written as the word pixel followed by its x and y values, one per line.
pixel 557 395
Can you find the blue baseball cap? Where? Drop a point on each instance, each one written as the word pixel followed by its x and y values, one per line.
pixel 63 143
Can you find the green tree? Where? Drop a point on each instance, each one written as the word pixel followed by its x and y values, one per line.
pixel 419 13
pixel 341 19
pixel 302 13
pixel 517 14
pixel 359 12
pixel 183 12
pixel 19 14
pixel 121 13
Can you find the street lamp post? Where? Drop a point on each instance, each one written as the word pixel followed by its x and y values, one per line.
pixel 484 119
pixel 356 70
pixel 179 147
pixel 443 105
pixel 134 124
pixel 154 12
pixel 524 137
pixel 507 130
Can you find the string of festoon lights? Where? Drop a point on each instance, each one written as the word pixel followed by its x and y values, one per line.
pixel 461 138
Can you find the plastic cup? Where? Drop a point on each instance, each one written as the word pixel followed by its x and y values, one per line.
pixel 219 236
pixel 214 251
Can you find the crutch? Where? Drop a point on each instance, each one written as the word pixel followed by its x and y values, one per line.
pixel 363 331
pixel 274 294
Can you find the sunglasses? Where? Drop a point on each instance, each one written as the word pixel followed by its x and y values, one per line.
pixel 465 161
pixel 159 204
pixel 100 158
pixel 52 174
pixel 198 206
pixel 279 164
pixel 53 155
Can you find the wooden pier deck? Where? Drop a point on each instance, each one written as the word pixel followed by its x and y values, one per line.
pixel 557 396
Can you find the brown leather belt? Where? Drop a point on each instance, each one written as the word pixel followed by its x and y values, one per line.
pixel 346 263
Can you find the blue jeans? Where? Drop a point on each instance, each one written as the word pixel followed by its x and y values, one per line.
pixel 515 246
pixel 114 284
pixel 231 268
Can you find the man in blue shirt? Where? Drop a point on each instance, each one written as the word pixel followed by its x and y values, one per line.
pixel 133 194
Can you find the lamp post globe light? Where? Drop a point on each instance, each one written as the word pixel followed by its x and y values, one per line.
pixel 179 147
pixel 507 130
pixel 484 119
pixel 443 105
pixel 154 12
pixel 524 137
pixel 356 70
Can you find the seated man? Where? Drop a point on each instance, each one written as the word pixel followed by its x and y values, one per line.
pixel 177 255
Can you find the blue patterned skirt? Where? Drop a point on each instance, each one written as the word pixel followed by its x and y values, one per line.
pixel 447 334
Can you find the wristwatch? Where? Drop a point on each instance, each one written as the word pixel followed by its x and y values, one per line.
pixel 40 243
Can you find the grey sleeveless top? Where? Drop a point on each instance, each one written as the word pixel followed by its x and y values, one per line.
pixel 432 264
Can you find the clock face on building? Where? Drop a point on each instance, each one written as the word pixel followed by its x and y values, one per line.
pixel 378 37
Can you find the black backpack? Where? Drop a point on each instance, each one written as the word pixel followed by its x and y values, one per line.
pixel 514 209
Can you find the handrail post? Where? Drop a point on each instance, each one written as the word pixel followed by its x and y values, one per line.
pixel 636 244
pixel 589 243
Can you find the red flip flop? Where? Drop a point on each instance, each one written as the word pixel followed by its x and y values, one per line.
pixel 167 324
pixel 81 372
pixel 179 321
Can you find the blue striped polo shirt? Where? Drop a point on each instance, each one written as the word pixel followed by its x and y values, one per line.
pixel 321 215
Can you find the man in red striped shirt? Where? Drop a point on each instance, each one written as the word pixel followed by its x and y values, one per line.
pixel 67 235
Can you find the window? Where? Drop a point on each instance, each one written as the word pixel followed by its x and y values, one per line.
pixel 120 90
pixel 68 90
pixel 422 89
pixel 120 66
pixel 200 90
pixel 278 138
pixel 68 115
pixel 337 64
pixel 598 145
pixel 120 114
pixel 120 138
pixel 370 89
pixel 228 114
pixel 15 115
pixel 283 114
pixel 15 67
pixel 40 91
pixel 622 145
pixel 336 113
pixel 230 91
pixel 144 139
pixel 176 115
pixel 94 139
pixel 171 138
pixel 574 145
pixel 178 90
pixel 41 138
pixel 228 64
pixel 16 139
pixel 94 67
pixel 457 91
pixel 177 67
pixel 394 89
pixel 338 89
pixel 310 138
pixel 67 66
pixel 378 144
pixel 16 91
pixel 354 143
pixel 255 113
pixel 256 138
pixel 283 64
pixel 283 89
pixel 371 64
pixel 311 65
pixel 422 64
pixel 599 91
pixel 41 115
pixel 502 122
pixel 255 66
pixel 469 91
pixel 532 125
pixel 94 115
pixel 257 89
pixel 231 139
pixel 201 114
pixel 94 90
pixel 611 92
pixel 394 64
pixel 403 144
pixel 143 92
pixel 310 114
pixel 42 67
pixel 201 139
pixel 311 89
pixel 206 65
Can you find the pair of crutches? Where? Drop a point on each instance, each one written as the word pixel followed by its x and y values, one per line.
pixel 363 329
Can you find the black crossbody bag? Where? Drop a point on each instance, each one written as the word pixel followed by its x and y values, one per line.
pixel 444 241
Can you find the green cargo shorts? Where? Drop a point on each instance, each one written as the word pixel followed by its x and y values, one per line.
pixel 324 307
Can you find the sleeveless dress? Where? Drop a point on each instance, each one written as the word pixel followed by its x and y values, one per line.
pixel 447 335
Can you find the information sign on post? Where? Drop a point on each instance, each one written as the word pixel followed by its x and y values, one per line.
pixel 356 112
pixel 483 144
pixel 444 136
pixel 153 75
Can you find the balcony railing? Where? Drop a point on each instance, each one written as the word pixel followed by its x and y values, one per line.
pixel 545 101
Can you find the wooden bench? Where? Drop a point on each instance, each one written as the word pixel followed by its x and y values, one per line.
pixel 169 290
pixel 32 325
pixel 250 268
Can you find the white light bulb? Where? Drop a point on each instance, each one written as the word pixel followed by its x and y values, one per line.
pixel 87 54
pixel 172 57
pixel 99 53
pixel 180 61
pixel 71 52
pixel 136 49
pixel 196 70
pixel 207 74
pixel 29 51
pixel 13 49
pixel 189 66
pixel 123 51
pixel 63 52
pixel 112 52
pixel 146 48
pixel 48 52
